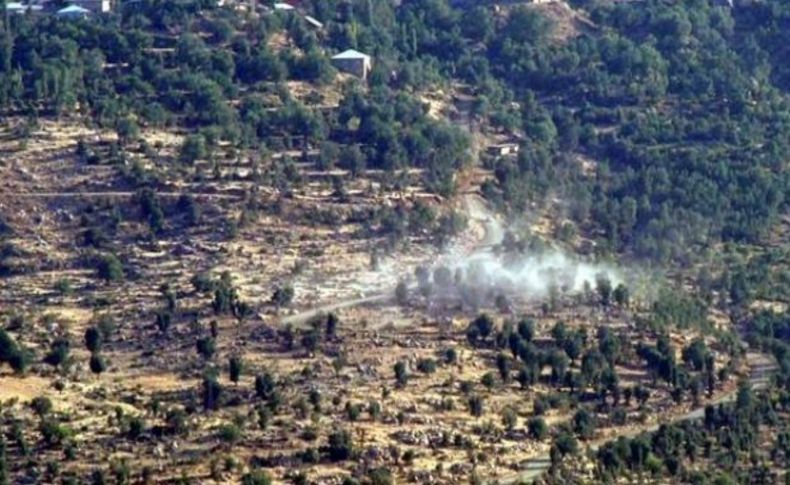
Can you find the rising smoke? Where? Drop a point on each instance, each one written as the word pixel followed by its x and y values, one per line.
pixel 530 276
pixel 511 269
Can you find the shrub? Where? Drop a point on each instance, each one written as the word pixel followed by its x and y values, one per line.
pixel 63 286
pixel 426 366
pixel 109 268
pixel 450 356
pixel 401 376
pixel 235 366
pixel 256 477
pixel 59 352
pixel 475 404
pixel 229 433
pixel 41 405
pixel 97 364
pixel 206 347
pixel 136 428
pixel 93 339
pixel 54 433
pixel 537 429
pixel 340 445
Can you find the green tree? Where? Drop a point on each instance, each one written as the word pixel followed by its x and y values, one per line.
pixel 206 346
pixel 97 363
pixel 537 428
pixel 127 131
pixel 93 339
pixel 109 268
pixel 58 352
pixel 212 392
pixel 621 295
pixel 340 445
pixel 604 287
pixel 401 375
pixel 235 368
pixel 475 404
pixel 283 296
pixel 256 477
pixel 584 424
pixel 41 405
pixel 193 149
pixel 264 385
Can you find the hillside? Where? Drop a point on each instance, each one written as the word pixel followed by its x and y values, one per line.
pixel 519 241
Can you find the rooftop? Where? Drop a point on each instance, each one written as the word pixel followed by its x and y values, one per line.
pixel 351 54
pixel 73 9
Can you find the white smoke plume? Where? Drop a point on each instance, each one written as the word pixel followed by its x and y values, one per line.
pixel 528 274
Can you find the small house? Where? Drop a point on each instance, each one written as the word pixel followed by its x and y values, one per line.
pixel 283 7
pixel 15 8
pixel 73 12
pixel 353 62
pixel 314 22
pixel 503 149
pixel 95 6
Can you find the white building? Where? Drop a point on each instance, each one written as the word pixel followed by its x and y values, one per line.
pixel 353 62
pixel 95 6
pixel 73 12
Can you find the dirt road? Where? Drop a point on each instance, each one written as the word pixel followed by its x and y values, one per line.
pixel 55 195
pixel 305 316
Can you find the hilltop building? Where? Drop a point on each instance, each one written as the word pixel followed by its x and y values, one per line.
pixel 95 6
pixel 353 62
pixel 73 12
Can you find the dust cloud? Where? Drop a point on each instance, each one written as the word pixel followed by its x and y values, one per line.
pixel 499 265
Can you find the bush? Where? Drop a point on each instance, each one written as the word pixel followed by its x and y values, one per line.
pixel 136 428
pixel 202 282
pixel 63 286
pixel 401 376
pixel 475 406
pixel 450 356
pixel 54 433
pixel 206 347
pixel 537 429
pixel 236 366
pixel 381 476
pixel 212 392
pixel 426 366
pixel 11 353
pixel 229 433
pixel 93 339
pixel 340 445
pixel 97 364
pixel 488 380
pixel 256 477
pixel 109 268
pixel 59 352
pixel 41 405
pixel 584 424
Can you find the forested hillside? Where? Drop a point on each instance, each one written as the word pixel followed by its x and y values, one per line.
pixel 681 108
pixel 529 229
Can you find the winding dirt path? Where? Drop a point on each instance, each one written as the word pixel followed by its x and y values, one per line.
pixel 55 195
